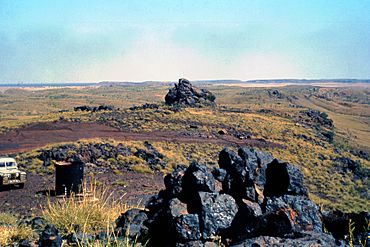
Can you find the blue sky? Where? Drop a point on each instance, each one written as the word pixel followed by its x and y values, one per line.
pixel 90 41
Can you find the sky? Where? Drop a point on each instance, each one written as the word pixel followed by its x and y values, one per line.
pixel 120 40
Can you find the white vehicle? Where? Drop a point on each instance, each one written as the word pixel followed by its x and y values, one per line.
pixel 10 174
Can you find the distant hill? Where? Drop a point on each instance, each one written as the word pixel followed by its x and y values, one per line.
pixel 169 83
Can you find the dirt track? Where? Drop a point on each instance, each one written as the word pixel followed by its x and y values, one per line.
pixel 40 134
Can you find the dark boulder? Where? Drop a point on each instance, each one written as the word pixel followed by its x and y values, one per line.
pixel 239 179
pixel 173 182
pixel 308 240
pixel 144 107
pixel 247 222
pixel 283 178
pixel 263 202
pixel 338 223
pixel 50 237
pixel 93 108
pixel 278 223
pixel 176 208
pixel 187 227
pixel 219 174
pixel 131 224
pixel 216 212
pixel 302 211
pixel 184 93
pixel 274 93
pixel 197 178
pixel 37 224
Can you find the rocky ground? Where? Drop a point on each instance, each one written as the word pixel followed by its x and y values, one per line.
pixel 251 200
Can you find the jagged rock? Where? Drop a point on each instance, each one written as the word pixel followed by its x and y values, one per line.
pixel 157 201
pixel 186 94
pixel 50 237
pixel 216 213
pixel 252 208
pixel 197 244
pixel 308 240
pixel 246 224
pixel 278 223
pixel 337 223
pixel 176 208
pixel 190 244
pixel 197 178
pixel 239 179
pixel 37 224
pixel 219 174
pixel 283 178
pixel 173 182
pixel 262 202
pixel 187 227
pixel 131 224
pixel 303 212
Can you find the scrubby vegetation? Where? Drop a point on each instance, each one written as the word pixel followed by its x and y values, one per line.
pixel 333 158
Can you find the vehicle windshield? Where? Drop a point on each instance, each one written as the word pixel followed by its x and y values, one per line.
pixel 10 164
pixel 2 164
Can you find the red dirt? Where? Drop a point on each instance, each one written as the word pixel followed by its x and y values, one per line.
pixel 40 134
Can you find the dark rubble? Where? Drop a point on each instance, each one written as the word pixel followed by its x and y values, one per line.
pixel 251 200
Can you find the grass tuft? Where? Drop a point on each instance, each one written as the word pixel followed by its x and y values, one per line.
pixel 95 211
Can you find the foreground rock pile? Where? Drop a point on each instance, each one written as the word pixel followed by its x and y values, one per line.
pixel 184 93
pixel 251 200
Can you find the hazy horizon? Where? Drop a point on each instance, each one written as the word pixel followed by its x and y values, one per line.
pixel 93 41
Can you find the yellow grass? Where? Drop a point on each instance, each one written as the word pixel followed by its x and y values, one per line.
pixel 96 210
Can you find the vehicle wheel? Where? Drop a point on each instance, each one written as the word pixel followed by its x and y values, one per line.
pixel 21 186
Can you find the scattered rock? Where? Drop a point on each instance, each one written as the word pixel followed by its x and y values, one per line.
pixel 93 108
pixel 317 119
pixel 144 107
pixel 274 93
pixel 184 93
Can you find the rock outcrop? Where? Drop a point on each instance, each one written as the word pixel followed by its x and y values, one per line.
pixel 185 94
pixel 93 108
pixel 251 200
